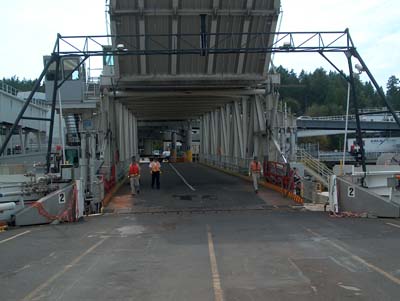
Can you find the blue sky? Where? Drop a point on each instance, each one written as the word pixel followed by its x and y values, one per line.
pixel 29 30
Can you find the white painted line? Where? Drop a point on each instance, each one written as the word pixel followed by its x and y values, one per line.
pixel 394 225
pixel 15 236
pixel 216 279
pixel 74 262
pixel 183 179
pixel 357 258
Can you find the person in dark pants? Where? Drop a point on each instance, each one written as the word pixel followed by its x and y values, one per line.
pixel 155 170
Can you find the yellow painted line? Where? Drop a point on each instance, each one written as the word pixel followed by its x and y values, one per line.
pixel 394 225
pixel 15 236
pixel 216 279
pixel 49 281
pixel 358 258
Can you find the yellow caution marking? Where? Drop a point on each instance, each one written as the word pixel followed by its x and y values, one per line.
pixel 15 236
pixel 74 262
pixel 373 267
pixel 216 279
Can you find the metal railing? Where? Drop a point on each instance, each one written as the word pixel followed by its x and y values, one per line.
pixel 379 116
pixel 314 164
pixel 8 89
pixel 92 87
pixel 236 164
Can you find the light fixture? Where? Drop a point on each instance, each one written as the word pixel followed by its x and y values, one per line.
pixel 120 47
pixel 359 68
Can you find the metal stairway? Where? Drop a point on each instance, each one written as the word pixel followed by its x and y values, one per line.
pixel 72 124
pixel 314 167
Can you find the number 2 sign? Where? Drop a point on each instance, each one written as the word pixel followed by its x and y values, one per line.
pixel 351 192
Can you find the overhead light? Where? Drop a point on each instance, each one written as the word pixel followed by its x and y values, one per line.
pixel 359 68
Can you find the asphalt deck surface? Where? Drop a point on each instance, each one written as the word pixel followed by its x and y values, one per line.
pixel 173 253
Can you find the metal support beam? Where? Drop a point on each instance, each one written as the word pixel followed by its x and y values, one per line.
pixel 378 89
pixel 36 118
pixel 238 129
pixel 53 109
pixel 174 43
pixel 245 37
pixel 355 103
pixel 213 30
pixel 142 39
pixel 195 12
pixel 26 104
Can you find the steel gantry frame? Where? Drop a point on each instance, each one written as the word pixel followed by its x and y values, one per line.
pixel 320 42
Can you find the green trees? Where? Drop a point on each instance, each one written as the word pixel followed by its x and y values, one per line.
pixel 320 93
pixel 393 91
pixel 21 84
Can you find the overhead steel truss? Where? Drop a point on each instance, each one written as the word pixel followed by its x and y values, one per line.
pixel 285 42
pixel 159 44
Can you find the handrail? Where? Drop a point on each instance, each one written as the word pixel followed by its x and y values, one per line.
pixel 315 164
pixel 8 89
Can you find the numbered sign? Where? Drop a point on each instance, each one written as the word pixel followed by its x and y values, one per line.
pixel 61 198
pixel 351 192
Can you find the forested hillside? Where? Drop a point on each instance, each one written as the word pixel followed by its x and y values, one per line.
pixel 21 84
pixel 322 93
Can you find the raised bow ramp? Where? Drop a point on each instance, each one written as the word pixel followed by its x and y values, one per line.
pixel 197 27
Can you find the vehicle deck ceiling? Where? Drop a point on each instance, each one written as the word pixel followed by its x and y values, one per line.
pixel 189 71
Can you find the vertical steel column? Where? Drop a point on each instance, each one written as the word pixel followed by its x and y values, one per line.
pixel 245 121
pixel 173 146
pixel 238 131
pixel 212 134
pixel 229 130
pixel 135 137
pixel 189 155
pixel 355 103
pixel 224 134
pixel 250 133
pixel 53 109
pixel 126 134
pixel 121 146
pixel 21 140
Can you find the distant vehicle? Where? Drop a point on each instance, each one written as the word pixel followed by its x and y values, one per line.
pixel 378 144
pixel 17 149
pixel 166 155
pixel 304 117
pixel 156 152
pixel 144 160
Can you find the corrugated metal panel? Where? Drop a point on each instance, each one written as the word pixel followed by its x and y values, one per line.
pixel 160 22
pixel 227 63
pixel 255 62
pixel 128 65
pixel 190 64
pixel 126 4
pixel 233 4
pixel 158 64
pixel 264 4
pixel 195 4
pixel 157 4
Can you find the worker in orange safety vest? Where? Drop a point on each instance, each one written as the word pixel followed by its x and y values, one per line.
pixel 134 176
pixel 155 170
pixel 255 172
